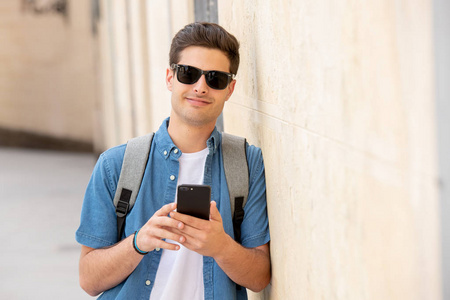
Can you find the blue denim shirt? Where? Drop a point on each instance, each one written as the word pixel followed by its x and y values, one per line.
pixel 98 227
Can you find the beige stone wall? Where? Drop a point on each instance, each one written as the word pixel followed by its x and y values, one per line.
pixel 339 95
pixel 47 74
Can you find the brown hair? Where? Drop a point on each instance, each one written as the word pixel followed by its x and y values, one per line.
pixel 208 35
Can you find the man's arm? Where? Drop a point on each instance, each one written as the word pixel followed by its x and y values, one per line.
pixel 248 267
pixel 102 269
pixel 99 268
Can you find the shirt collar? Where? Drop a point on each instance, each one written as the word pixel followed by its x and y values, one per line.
pixel 214 141
pixel 165 145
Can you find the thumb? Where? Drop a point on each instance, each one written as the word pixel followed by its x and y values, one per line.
pixel 215 214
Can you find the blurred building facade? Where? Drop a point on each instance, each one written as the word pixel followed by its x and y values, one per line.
pixel 47 74
pixel 339 95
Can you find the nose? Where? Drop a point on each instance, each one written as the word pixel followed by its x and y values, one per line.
pixel 201 87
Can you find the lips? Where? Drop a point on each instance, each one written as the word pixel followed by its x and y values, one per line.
pixel 198 101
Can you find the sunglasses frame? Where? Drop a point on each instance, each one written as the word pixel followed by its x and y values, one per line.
pixel 230 76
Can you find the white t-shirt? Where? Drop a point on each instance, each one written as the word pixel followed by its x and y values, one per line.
pixel 180 273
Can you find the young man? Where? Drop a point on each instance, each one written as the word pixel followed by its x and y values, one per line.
pixel 188 258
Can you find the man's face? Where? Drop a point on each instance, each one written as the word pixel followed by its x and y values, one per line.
pixel 198 104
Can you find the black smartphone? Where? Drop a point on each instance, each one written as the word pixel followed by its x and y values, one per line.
pixel 194 200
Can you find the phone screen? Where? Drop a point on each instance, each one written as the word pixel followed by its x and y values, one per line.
pixel 194 200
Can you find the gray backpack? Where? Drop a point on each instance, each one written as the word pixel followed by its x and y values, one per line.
pixel 135 161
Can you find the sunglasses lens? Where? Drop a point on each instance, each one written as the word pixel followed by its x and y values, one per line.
pixel 188 74
pixel 217 80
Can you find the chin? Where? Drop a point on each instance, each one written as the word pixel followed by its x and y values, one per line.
pixel 199 121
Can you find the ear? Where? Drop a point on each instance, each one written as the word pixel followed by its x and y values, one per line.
pixel 169 78
pixel 230 89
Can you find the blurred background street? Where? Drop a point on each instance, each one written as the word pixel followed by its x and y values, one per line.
pixel 41 195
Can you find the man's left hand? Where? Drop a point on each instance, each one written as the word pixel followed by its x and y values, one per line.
pixel 206 237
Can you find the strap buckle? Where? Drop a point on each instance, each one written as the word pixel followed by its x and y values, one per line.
pixel 124 202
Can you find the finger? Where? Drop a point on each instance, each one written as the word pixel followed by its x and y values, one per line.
pixel 188 220
pixel 193 234
pixel 184 234
pixel 166 209
pixel 174 230
pixel 160 219
pixel 166 245
pixel 174 225
pixel 163 233
pixel 214 212
pixel 164 221
pixel 150 238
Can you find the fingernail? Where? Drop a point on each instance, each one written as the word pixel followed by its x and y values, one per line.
pixel 180 225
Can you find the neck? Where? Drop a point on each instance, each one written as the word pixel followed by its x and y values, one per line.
pixel 189 138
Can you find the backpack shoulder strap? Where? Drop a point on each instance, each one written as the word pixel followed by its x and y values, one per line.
pixel 133 168
pixel 236 173
pixel 234 153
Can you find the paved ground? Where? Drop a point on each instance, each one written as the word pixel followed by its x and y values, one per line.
pixel 41 194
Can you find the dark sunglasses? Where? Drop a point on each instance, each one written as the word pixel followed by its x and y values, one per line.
pixel 217 80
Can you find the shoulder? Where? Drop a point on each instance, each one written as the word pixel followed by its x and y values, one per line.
pixel 114 154
pixel 255 163
pixel 117 150
pixel 254 155
pixel 253 151
pixel 112 158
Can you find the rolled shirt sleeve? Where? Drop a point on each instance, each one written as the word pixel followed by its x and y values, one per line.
pixel 98 226
pixel 255 226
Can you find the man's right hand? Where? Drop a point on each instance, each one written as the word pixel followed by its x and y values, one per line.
pixel 157 228
pixel 100 269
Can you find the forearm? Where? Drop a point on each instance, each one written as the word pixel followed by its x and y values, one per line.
pixel 102 269
pixel 248 267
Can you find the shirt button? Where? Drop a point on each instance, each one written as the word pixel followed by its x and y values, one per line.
pixel 172 177
pixel 175 151
pixel 157 249
pixel 165 152
pixel 148 282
